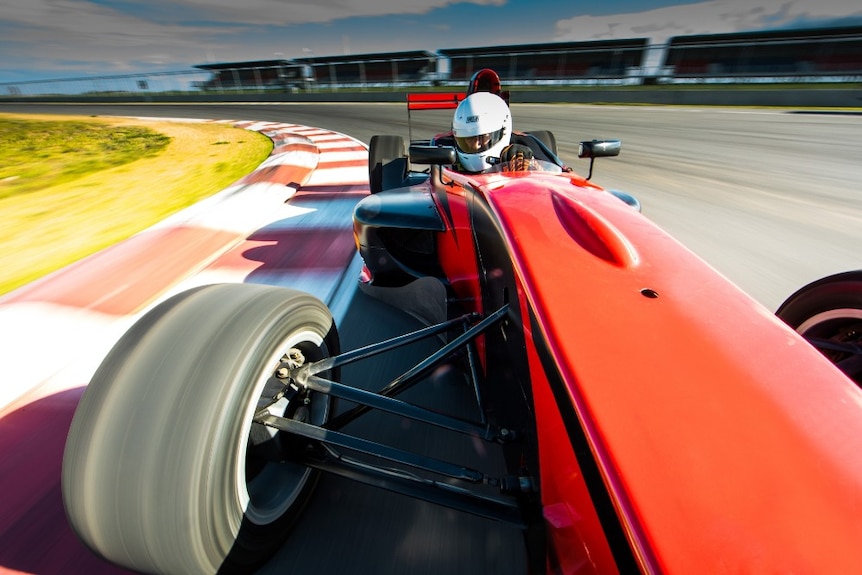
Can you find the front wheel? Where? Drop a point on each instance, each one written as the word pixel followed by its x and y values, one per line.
pixel 828 312
pixel 164 470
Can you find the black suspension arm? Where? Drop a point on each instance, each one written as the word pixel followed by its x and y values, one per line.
pixel 371 448
pixel 390 405
pixel 384 346
pixel 412 376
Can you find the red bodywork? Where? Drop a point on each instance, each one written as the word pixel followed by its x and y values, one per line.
pixel 725 442
pixel 681 427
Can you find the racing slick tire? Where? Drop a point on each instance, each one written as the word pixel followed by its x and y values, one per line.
pixel 830 309
pixel 160 473
pixel 387 163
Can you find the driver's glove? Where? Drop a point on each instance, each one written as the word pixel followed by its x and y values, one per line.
pixel 517 157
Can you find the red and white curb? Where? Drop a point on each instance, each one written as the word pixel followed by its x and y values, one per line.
pixel 286 223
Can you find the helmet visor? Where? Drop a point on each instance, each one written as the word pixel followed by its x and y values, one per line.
pixel 478 144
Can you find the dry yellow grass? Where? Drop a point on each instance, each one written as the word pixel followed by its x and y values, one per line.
pixel 45 230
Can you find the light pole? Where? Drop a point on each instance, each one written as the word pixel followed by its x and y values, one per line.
pixel 308 70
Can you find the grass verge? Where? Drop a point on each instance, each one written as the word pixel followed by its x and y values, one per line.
pixel 70 186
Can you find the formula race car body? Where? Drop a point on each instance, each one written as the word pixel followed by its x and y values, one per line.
pixel 684 391
pixel 653 417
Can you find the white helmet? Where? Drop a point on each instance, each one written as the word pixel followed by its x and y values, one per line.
pixel 482 128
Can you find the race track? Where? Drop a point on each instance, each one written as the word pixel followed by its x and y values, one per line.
pixel 770 198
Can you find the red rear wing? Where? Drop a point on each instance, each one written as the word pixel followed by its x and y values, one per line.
pixel 434 100
pixel 431 101
pixel 441 100
pixel 438 101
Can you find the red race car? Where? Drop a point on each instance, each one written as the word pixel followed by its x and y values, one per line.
pixel 653 417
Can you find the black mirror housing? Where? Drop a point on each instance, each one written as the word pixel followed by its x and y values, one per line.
pixel 599 148
pixel 433 155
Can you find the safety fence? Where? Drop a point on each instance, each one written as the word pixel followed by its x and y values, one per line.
pixel 819 55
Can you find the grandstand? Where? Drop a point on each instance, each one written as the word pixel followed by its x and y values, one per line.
pixel 262 74
pixel 599 59
pixel 804 55
pixel 384 68
pixel 800 54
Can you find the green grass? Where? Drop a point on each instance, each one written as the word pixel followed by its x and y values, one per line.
pixel 38 154
pixel 70 186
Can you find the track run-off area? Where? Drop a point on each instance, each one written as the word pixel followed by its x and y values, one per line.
pixel 769 197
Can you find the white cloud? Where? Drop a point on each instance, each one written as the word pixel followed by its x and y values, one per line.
pixel 71 33
pixel 124 35
pixel 285 12
pixel 712 17
pixel 76 22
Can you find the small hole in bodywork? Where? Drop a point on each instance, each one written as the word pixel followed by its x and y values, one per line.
pixel 650 293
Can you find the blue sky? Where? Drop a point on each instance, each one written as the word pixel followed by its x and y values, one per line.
pixel 43 39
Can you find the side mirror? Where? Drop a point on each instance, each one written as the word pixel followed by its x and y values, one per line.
pixel 598 149
pixel 433 155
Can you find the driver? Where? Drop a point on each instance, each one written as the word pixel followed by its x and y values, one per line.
pixel 482 128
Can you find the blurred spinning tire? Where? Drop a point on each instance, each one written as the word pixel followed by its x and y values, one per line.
pixel 159 474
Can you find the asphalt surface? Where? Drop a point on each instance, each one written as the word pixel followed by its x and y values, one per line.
pixel 353 528
pixel 770 198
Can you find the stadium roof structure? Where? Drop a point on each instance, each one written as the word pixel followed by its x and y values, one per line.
pixel 549 47
pixel 388 56
pixel 250 64
pixel 836 34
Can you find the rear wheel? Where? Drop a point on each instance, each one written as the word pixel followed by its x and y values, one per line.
pixel 387 163
pixel 164 469
pixel 829 313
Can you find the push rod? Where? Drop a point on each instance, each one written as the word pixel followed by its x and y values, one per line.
pixel 415 374
pixel 361 445
pixel 397 407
